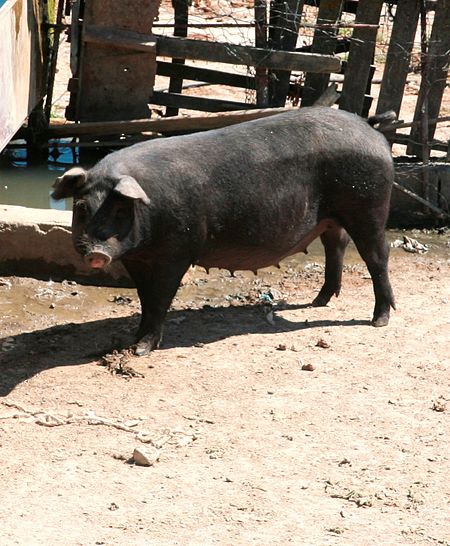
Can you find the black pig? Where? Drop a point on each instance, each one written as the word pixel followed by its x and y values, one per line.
pixel 242 197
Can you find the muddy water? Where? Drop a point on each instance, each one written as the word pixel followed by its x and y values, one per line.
pixel 29 185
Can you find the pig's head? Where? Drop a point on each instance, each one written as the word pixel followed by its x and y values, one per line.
pixel 104 213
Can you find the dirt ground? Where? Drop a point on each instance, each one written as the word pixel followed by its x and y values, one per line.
pixel 267 422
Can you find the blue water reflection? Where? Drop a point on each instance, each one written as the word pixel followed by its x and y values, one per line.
pixel 29 185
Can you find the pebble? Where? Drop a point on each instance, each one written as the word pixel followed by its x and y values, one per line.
pixel 308 367
pixel 145 456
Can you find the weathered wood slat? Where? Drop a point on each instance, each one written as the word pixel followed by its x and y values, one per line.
pixel 398 56
pixel 197 103
pixel 119 38
pixel 432 87
pixel 323 42
pixel 245 55
pixel 196 73
pixel 285 38
pixel 360 57
pixel 160 125
pixel 261 74
pixel 181 8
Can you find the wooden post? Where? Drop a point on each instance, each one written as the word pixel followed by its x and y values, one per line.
pixel 261 75
pixel 433 86
pixel 398 56
pixel 360 56
pixel 324 41
pixel 286 19
pixel 181 8
pixel 115 82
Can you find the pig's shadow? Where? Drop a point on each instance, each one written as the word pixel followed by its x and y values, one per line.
pixel 73 344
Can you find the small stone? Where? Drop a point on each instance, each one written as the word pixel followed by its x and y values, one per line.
pixel 52 306
pixel 439 405
pixel 308 367
pixel 145 456
pixel 281 347
pixel 323 344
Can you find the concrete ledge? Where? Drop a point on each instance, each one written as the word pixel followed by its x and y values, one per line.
pixel 38 243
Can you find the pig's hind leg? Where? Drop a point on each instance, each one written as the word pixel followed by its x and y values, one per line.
pixel 335 241
pixel 368 234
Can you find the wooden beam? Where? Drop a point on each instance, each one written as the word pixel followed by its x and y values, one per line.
pixel 119 38
pixel 261 74
pixel 245 55
pixel 398 56
pixel 181 8
pixel 432 87
pixel 160 125
pixel 324 41
pixel 360 56
pixel 287 23
pixel 196 73
pixel 196 103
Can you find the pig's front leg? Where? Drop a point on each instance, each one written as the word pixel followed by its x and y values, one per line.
pixel 157 285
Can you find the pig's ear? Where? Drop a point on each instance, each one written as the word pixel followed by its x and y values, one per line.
pixel 128 187
pixel 66 184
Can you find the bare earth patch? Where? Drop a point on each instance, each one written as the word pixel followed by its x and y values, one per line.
pixel 261 425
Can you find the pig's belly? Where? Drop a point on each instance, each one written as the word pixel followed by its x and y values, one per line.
pixel 247 257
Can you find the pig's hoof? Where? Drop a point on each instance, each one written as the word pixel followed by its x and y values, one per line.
pixel 146 345
pixel 380 321
pixel 320 301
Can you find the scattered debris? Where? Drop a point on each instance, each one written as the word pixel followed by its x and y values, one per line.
pixel 439 405
pixel 344 462
pixel 336 530
pixel 116 363
pixel 348 494
pixel 121 300
pixel 145 456
pixel 410 245
pixel 323 344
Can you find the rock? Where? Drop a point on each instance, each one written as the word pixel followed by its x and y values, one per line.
pixel 145 456
pixel 308 367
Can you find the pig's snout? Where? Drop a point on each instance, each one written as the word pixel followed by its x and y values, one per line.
pixel 97 259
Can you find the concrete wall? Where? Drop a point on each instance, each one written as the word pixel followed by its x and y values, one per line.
pixel 38 243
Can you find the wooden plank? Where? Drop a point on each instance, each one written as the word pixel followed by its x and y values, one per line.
pixel 360 56
pixel 181 8
pixel 160 125
pixel 398 56
pixel 199 74
pixel 287 22
pixel 116 37
pixel 324 41
pixel 261 74
pixel 432 87
pixel 197 103
pixel 244 55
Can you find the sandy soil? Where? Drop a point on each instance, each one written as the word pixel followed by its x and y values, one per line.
pixel 307 427
pixel 248 447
